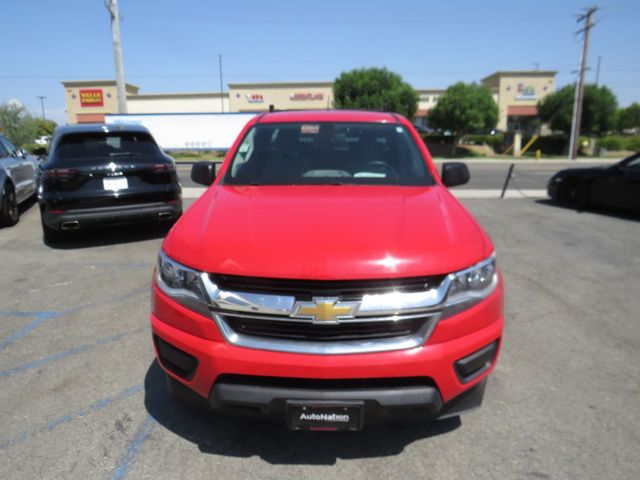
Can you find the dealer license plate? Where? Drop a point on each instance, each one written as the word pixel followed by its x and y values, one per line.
pixel 115 183
pixel 310 415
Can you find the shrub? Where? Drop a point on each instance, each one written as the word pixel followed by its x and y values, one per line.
pixel 548 145
pixel 620 142
pixel 496 142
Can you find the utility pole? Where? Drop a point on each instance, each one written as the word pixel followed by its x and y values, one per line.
pixel 577 105
pixel 221 97
pixel 42 97
pixel 112 6
pixel 598 71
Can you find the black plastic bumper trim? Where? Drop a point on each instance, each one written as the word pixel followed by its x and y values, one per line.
pixel 474 365
pixel 465 402
pixel 378 404
pixel 175 360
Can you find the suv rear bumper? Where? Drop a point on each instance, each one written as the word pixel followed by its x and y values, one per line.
pixel 113 215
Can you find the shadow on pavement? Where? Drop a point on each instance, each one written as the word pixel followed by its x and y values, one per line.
pixel 111 235
pixel 25 206
pixel 273 442
pixel 608 212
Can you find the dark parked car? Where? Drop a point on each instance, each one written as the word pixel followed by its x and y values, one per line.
pixel 105 174
pixel 18 180
pixel 615 185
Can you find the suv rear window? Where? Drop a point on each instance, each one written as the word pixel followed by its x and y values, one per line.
pixel 76 148
pixel 328 153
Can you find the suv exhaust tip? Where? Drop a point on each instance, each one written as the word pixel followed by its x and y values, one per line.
pixel 71 225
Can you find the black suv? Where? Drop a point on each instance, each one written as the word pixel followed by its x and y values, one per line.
pixel 105 174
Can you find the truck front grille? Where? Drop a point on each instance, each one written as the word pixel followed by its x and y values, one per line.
pixel 326 317
pixel 293 330
pixel 306 289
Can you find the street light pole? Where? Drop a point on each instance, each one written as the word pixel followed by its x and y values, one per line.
pixel 221 97
pixel 42 97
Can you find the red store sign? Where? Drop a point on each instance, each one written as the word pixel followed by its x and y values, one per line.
pixel 91 98
pixel 254 98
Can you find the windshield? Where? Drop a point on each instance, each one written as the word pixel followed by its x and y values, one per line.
pixel 328 153
pixel 75 147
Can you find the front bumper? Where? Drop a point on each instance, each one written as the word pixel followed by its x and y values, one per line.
pixel 552 189
pixel 379 403
pixel 162 211
pixel 442 392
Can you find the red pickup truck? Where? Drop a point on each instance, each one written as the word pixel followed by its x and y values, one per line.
pixel 329 278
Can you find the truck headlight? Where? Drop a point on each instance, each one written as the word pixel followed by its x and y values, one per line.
pixel 182 284
pixel 470 286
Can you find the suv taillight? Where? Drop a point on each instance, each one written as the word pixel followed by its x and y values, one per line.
pixel 61 173
pixel 163 167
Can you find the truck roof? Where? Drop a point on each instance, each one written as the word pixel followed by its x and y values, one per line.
pixel 365 116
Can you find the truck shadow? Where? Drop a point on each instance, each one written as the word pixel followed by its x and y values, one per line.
pixel 273 442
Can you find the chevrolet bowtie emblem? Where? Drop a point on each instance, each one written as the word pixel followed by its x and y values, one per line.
pixel 325 310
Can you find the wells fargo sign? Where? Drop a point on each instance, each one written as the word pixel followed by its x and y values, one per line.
pixel 91 98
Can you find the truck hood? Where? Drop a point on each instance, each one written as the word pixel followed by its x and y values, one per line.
pixel 327 232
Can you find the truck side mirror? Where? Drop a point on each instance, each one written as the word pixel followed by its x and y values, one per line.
pixel 203 173
pixel 454 173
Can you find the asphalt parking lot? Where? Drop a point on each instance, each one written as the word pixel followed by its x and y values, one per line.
pixel 82 396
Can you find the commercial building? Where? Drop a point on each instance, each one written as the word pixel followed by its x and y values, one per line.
pixel 257 97
pixel 515 92
pixel 89 101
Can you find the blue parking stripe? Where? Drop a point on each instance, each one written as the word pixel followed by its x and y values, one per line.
pixel 134 448
pixel 41 317
pixel 64 419
pixel 66 353
pixel 44 315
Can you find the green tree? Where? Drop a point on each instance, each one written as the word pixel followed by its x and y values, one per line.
pixel 464 108
pixel 598 110
pixel 629 118
pixel 375 89
pixel 44 127
pixel 17 124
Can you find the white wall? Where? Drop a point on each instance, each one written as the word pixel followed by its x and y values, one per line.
pixel 183 104
pixel 189 131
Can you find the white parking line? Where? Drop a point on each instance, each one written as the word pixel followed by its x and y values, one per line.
pixel 496 193
pixel 195 192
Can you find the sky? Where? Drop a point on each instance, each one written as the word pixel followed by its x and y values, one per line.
pixel 173 46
